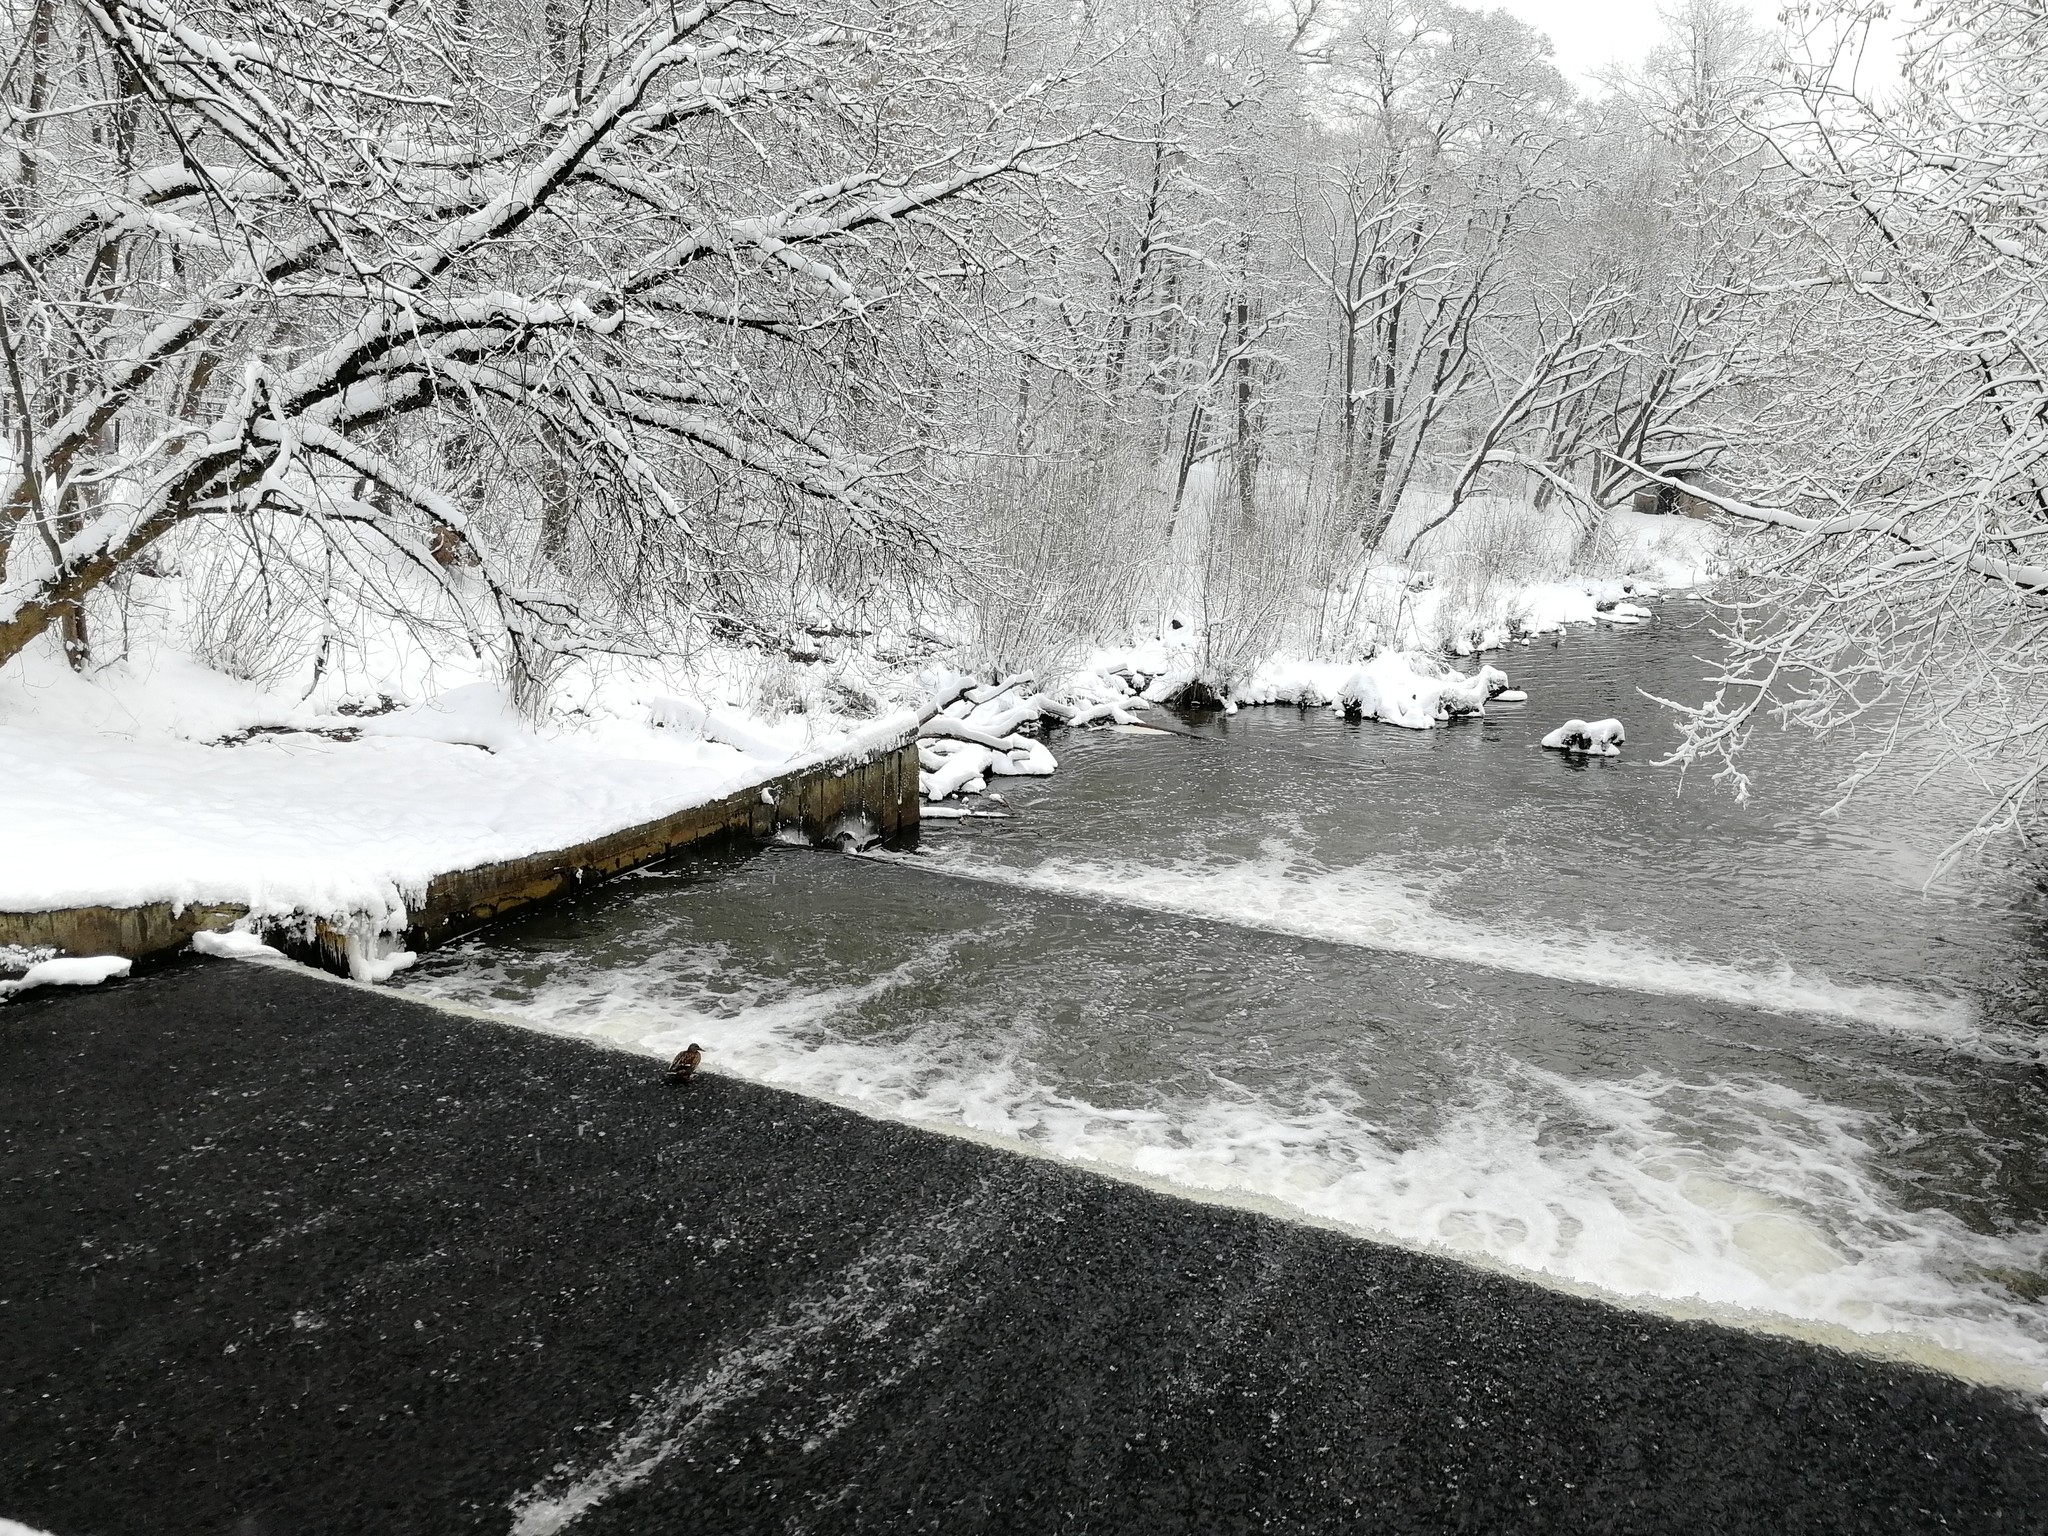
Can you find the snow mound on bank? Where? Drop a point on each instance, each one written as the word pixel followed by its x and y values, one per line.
pixel 1409 689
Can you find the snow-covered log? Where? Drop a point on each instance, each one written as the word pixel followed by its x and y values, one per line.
pixel 1102 714
pixel 960 730
pixel 989 693
pixel 960 770
pixel 1006 721
pixel 949 690
pixel 1027 758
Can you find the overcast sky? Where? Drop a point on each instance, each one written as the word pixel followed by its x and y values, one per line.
pixel 1590 33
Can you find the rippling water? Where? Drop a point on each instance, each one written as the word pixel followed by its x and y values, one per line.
pixel 1441 987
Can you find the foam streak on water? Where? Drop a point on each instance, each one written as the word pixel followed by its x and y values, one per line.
pixel 1732 1192
pixel 1373 909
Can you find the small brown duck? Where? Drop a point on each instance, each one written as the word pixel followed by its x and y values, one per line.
pixel 684 1067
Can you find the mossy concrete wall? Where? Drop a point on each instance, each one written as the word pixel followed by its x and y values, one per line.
pixel 881 785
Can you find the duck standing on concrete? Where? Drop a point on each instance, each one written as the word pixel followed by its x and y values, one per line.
pixel 684 1067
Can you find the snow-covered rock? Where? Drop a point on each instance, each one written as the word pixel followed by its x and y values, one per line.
pixel 1463 695
pixel 1392 694
pixel 1601 738
pixel 1417 691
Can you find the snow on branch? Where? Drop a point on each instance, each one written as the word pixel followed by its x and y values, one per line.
pixel 300 243
pixel 2031 580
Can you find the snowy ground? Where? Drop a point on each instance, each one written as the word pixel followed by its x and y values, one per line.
pixel 159 780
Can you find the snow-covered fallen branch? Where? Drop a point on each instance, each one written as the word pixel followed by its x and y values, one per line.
pixel 960 730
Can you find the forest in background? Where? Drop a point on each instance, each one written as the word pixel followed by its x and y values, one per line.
pixel 546 330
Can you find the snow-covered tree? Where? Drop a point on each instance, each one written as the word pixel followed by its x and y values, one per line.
pixel 1908 469
pixel 548 299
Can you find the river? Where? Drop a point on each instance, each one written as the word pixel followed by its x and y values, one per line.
pixel 1589 1020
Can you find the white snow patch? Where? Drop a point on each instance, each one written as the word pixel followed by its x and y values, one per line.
pixel 234 945
pixel 374 967
pixel 78 971
pixel 120 792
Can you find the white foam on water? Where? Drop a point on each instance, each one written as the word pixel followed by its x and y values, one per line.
pixel 1372 909
pixel 1732 1195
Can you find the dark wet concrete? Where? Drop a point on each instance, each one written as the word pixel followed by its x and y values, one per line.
pixel 280 1256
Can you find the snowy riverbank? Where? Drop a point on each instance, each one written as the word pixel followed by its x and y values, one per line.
pixel 1394 631
pixel 156 779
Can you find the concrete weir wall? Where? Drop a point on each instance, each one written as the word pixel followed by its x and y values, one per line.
pixel 883 787
pixel 880 784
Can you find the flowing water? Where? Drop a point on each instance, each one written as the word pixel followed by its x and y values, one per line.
pixel 1444 988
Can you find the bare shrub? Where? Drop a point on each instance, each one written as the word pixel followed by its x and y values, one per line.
pixel 247 609
pixel 1062 545
pixel 1255 583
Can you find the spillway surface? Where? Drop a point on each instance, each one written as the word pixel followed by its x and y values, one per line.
pixel 288 1258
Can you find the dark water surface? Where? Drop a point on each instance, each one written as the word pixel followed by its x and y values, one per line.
pixel 1443 987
